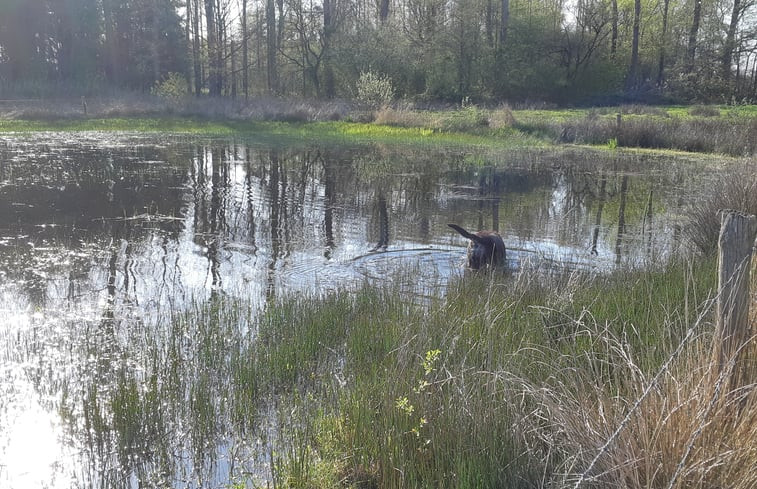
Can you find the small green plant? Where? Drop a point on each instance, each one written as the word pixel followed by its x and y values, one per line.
pixel 174 86
pixel 374 90
pixel 612 143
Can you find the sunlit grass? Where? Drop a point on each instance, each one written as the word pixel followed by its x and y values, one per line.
pixel 711 129
pixel 490 387
pixel 343 132
pixel 529 380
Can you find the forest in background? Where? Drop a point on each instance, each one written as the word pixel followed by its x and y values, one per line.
pixel 426 51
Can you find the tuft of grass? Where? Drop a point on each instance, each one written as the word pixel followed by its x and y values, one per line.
pixel 681 427
pixel 735 189
pixel 704 111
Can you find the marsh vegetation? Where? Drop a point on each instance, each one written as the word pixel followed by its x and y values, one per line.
pixel 198 310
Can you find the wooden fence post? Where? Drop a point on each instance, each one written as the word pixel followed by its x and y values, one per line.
pixel 737 238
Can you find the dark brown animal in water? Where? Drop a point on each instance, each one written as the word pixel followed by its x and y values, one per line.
pixel 486 248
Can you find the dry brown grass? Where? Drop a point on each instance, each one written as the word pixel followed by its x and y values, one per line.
pixel 391 116
pixel 682 428
pixel 465 119
pixel 261 108
pixel 735 188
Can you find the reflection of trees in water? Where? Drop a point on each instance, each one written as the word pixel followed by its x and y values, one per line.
pixel 68 198
pixel 329 177
pixel 621 217
pixel 571 202
pixel 381 221
pixel 146 398
pixel 600 207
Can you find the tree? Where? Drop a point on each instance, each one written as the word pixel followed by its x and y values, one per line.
pixel 504 21
pixel 632 79
pixel 214 52
pixel 24 30
pixel 272 46
pixel 75 43
pixel 663 44
pixel 245 53
pixel 730 40
pixel 614 38
pixel 694 32
pixel 329 29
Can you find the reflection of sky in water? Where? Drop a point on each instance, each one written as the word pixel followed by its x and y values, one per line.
pixel 129 230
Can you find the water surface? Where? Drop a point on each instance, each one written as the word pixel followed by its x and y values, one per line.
pixel 106 240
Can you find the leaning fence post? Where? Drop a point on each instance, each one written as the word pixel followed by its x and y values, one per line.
pixel 737 238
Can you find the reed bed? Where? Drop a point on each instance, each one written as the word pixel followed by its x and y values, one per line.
pixel 536 380
pixel 527 381
pixel 728 135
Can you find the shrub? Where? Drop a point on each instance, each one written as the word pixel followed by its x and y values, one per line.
pixel 174 86
pixel 402 117
pixel 704 111
pixel 468 118
pixel 502 118
pixel 637 109
pixel 374 90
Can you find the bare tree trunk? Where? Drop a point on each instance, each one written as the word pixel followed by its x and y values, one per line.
pixel 489 23
pixel 154 51
pixel 633 70
pixel 328 31
pixel 614 37
pixel 273 78
pixel 737 235
pixel 233 51
pixel 245 53
pixel 694 32
pixel 663 45
pixel 196 48
pixel 224 49
pixel 504 22
pixel 383 11
pixel 188 40
pixel 730 41
pixel 214 75
pixel 112 73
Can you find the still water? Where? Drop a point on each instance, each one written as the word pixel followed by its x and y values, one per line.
pixel 106 239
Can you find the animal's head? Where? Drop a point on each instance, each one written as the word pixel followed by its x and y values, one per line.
pixel 481 253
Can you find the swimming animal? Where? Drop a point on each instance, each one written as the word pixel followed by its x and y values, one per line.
pixel 485 250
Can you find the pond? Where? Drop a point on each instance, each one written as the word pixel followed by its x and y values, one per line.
pixel 107 239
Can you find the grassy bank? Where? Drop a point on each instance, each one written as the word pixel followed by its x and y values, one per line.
pixel 708 129
pixel 712 129
pixel 322 132
pixel 519 382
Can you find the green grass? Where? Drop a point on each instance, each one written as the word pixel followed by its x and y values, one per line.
pixel 711 129
pixel 461 394
pixel 508 381
pixel 343 132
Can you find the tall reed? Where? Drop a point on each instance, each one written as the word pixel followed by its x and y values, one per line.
pixel 531 382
